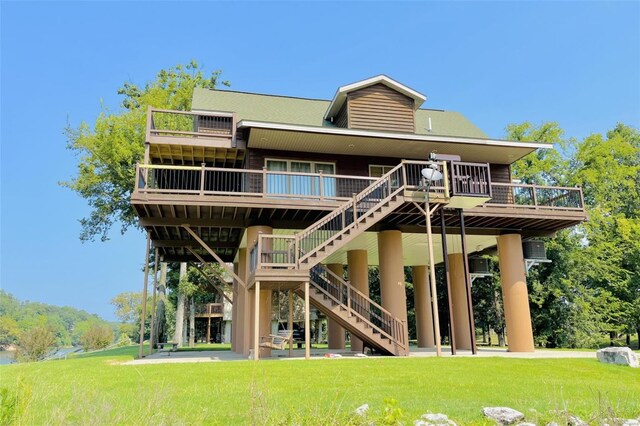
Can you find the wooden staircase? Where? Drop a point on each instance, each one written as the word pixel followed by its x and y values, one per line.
pixel 330 294
pixel 356 312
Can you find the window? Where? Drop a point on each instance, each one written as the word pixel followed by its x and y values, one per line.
pixel 299 178
pixel 377 171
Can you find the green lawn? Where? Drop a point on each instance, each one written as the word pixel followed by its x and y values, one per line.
pixel 95 389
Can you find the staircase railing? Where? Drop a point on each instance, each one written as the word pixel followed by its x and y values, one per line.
pixel 405 176
pixel 357 304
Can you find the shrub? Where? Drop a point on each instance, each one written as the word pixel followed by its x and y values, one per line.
pixel 123 340
pixel 35 343
pixel 97 337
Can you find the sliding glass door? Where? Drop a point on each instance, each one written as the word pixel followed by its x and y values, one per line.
pixel 298 178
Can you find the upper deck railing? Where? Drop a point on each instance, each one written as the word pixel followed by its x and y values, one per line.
pixel 191 125
pixel 189 180
pixel 535 197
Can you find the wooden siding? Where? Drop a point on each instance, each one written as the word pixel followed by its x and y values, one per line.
pixel 500 173
pixel 342 119
pixel 378 107
pixel 345 164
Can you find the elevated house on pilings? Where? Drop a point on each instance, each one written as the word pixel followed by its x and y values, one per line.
pixel 289 190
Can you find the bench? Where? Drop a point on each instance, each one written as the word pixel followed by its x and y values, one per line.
pixel 163 347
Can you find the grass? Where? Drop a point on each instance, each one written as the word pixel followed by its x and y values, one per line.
pixel 96 389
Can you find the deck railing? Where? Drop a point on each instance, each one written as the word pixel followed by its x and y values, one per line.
pixel 204 180
pixel 294 249
pixel 210 309
pixel 187 124
pixel 535 197
pixel 470 179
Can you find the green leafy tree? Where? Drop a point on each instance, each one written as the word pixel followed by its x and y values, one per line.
pixel 98 336
pixel 128 309
pixel 109 149
pixel 36 343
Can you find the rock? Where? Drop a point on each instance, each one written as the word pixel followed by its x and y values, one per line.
pixel 576 421
pixel 631 422
pixel 553 424
pixel 431 419
pixel 362 410
pixel 503 415
pixel 622 356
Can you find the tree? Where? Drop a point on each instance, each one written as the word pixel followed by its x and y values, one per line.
pixel 97 337
pixel 109 149
pixel 129 311
pixel 36 343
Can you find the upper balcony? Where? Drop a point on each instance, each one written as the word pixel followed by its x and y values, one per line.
pixel 179 135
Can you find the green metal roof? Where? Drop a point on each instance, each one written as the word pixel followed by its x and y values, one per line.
pixel 310 112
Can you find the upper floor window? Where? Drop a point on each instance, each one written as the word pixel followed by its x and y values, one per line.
pixel 298 178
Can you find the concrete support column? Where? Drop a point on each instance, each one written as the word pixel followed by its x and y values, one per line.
pixel 264 295
pixel 335 333
pixel 359 278
pixel 514 293
pixel 422 303
pixel 459 301
pixel 392 291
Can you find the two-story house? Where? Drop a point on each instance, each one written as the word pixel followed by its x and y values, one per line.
pixel 290 190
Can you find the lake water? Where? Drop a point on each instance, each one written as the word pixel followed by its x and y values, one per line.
pixel 7 357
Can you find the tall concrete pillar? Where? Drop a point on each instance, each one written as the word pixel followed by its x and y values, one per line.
pixel 514 293
pixel 459 301
pixel 335 333
pixel 359 278
pixel 392 291
pixel 265 298
pixel 422 303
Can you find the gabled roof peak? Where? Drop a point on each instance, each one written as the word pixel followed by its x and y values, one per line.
pixel 341 93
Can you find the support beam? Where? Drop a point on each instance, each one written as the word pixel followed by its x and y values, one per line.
pixel 212 283
pixel 152 337
pixel 144 295
pixel 467 281
pixel 392 289
pixel 514 293
pixel 447 276
pixel 290 323
pixel 256 322
pixel 358 263
pixel 432 276
pixel 422 303
pixel 307 323
pixel 459 302
pixel 213 254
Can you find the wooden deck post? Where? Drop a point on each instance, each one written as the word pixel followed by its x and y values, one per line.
pixel 153 338
pixel 256 322
pixel 307 332
pixel 144 295
pixel 432 276
pixel 290 323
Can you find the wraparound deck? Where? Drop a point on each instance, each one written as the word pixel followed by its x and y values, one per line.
pixel 220 202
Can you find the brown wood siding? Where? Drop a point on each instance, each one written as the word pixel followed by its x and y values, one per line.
pixel 342 119
pixel 500 173
pixel 356 165
pixel 378 107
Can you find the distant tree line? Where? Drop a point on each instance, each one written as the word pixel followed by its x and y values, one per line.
pixel 34 329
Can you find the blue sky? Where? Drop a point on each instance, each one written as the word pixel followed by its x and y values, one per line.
pixel 577 63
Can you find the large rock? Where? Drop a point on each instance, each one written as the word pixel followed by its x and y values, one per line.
pixel 431 419
pixel 622 356
pixel 503 415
